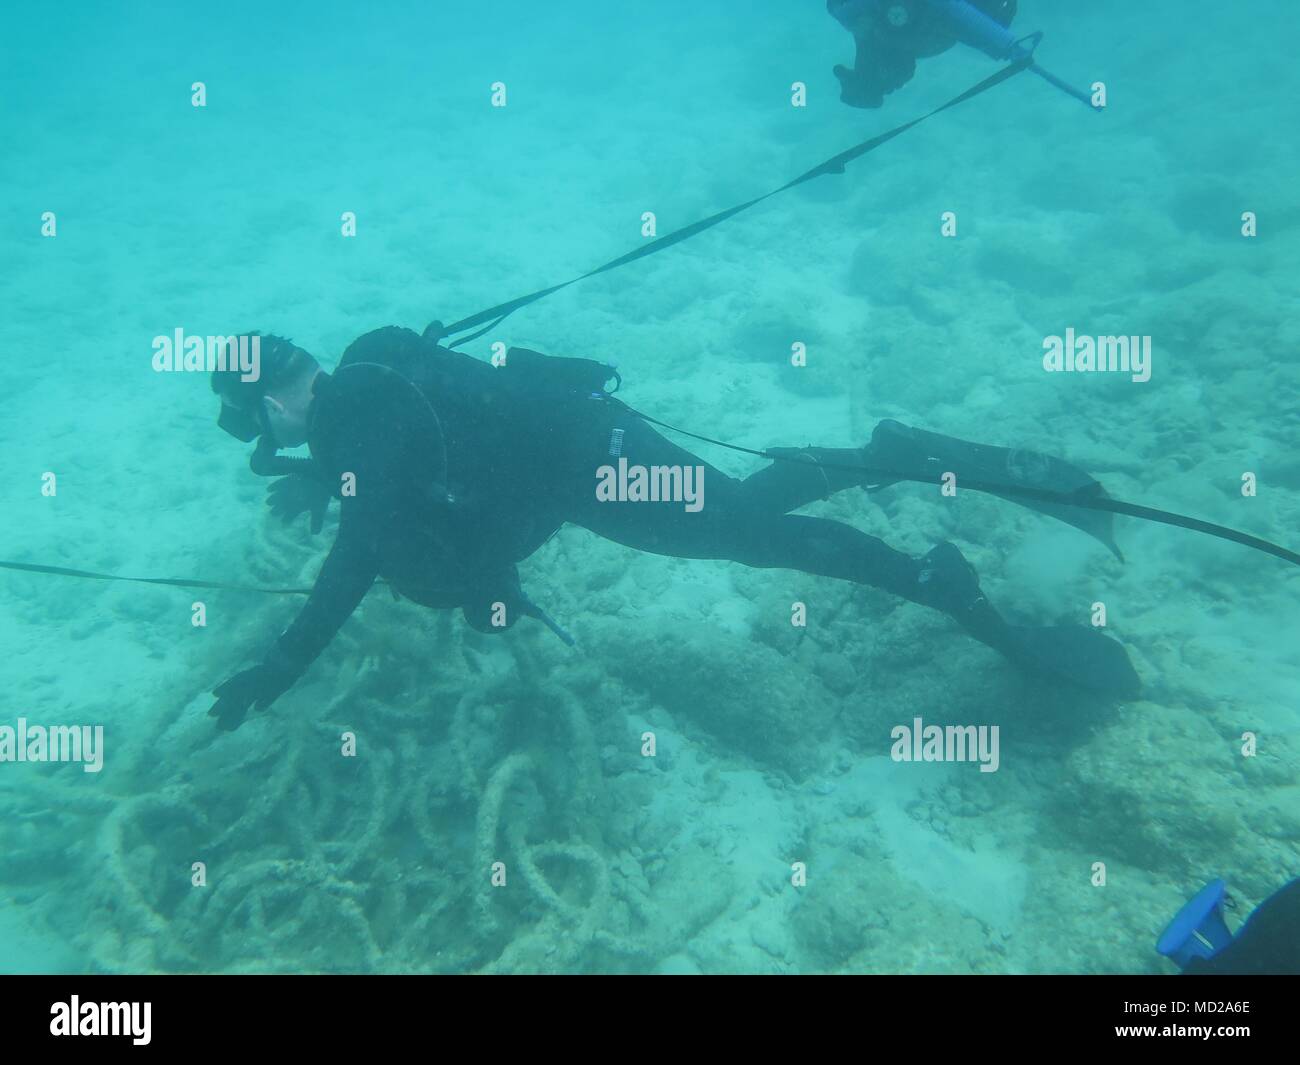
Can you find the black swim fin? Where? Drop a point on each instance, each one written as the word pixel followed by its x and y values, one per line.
pixel 1076 654
pixel 899 447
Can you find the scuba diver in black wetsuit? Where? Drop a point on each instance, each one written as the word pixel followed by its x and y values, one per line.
pixel 891 35
pixel 451 471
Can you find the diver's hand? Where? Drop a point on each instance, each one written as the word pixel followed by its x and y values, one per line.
pixel 258 687
pixel 290 496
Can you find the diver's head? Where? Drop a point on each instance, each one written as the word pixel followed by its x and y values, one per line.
pixel 273 399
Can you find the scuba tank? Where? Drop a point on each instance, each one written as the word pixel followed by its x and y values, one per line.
pixel 976 28
pixel 539 374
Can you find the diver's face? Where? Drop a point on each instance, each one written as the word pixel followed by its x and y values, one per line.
pixel 286 420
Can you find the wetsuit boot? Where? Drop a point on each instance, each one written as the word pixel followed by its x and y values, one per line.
pixel 1078 654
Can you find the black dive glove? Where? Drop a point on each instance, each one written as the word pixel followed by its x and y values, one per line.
pixel 258 687
pixel 290 496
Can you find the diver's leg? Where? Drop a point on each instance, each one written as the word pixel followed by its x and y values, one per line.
pixel 735 520
pixel 801 475
pixel 733 523
pixel 929 456
pixel 729 526
pixel 726 529
pixel 942 579
pixel 804 475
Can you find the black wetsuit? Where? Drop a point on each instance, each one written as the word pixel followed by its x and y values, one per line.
pixel 452 471
pixel 522 454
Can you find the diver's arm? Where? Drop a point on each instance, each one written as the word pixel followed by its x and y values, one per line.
pixel 349 570
pixel 267 462
pixel 347 574
pixel 357 434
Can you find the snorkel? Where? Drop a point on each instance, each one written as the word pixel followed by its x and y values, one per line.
pixel 977 30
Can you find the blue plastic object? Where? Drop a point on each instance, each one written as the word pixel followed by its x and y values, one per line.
pixel 1199 930
pixel 978 30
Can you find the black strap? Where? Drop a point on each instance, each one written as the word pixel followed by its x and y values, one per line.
pixel 1086 497
pixel 494 316
pixel 171 582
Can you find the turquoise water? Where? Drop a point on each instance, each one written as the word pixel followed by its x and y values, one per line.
pixel 773 743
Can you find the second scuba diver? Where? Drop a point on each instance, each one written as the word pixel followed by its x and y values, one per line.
pixel 891 35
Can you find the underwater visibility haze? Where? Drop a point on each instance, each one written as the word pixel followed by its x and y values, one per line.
pixel 926 673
